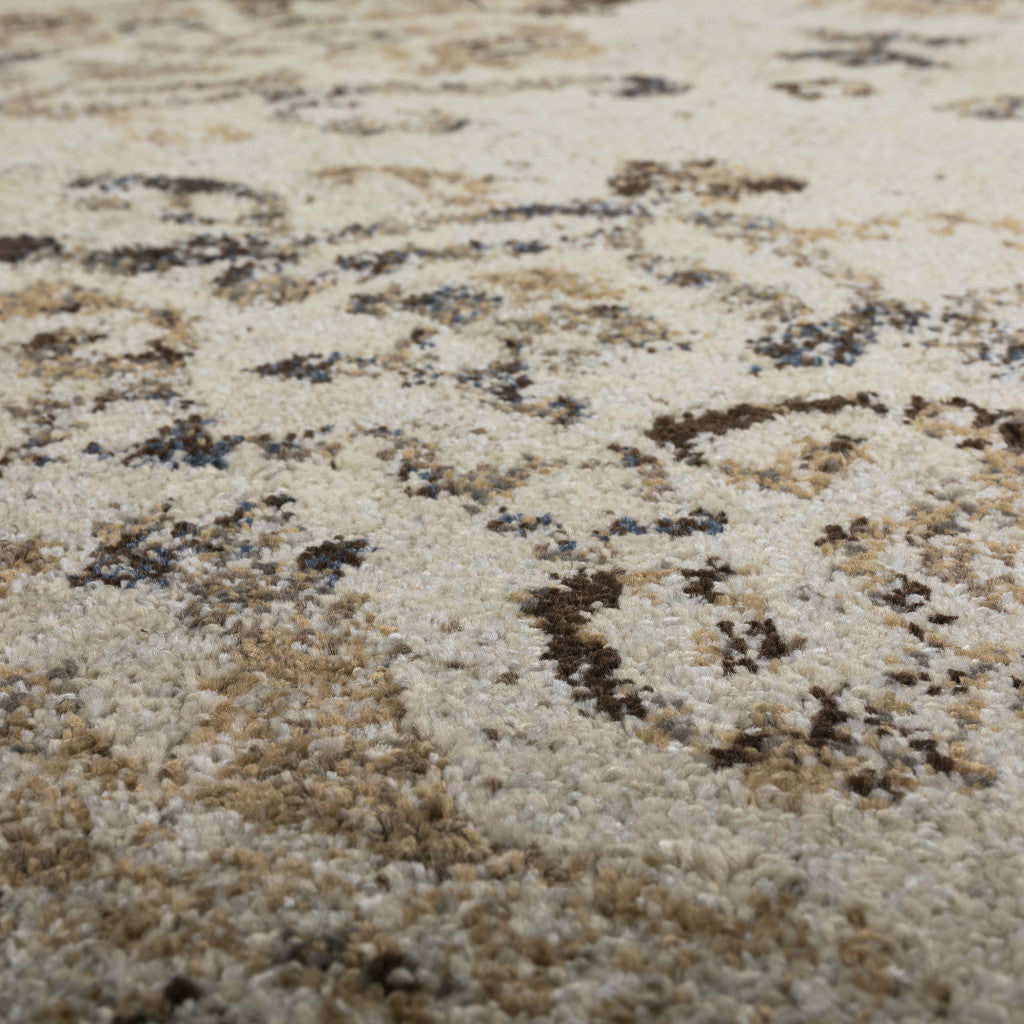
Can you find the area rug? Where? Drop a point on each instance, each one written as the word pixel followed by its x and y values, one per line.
pixel 511 511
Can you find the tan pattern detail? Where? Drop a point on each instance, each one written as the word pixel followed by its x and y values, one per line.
pixel 29 557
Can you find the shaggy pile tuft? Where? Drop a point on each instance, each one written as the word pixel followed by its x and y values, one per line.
pixel 512 511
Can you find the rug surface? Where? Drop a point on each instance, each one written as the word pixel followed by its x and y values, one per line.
pixel 511 511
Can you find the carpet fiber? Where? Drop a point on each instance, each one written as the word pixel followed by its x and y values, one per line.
pixel 511 511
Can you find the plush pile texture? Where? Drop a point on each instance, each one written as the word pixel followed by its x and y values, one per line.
pixel 511 511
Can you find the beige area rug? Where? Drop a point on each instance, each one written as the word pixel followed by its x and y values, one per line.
pixel 511 511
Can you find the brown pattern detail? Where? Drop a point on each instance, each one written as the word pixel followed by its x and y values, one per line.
pixel 15 248
pixel 735 654
pixel 841 339
pixel 704 580
pixel 616 324
pixel 53 860
pixel 244 284
pixel 826 720
pixel 908 595
pixel 66 353
pixel 834 533
pixel 650 85
pixel 313 367
pixel 683 432
pixel 175 186
pixel 330 556
pixel 510 48
pixel 449 305
pixel 816 88
pixel 23 558
pixel 555 7
pixel 868 49
pixel 798 760
pixel 181 989
pixel 998 108
pixel 1012 433
pixel 986 326
pixel 584 660
pixel 806 474
pixel 48 346
pixel 224 564
pixel 191 252
pixel 185 441
pixel 706 178
pixel 386 261
pixel 632 456
pixel 700 520
pixel 428 477
pixel 520 523
pixel 983 417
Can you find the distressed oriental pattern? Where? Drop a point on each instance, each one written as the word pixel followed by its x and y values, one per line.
pixel 511 511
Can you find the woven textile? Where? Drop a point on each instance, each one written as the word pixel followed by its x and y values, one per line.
pixel 511 511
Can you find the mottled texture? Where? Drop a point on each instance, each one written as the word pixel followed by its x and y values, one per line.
pixel 512 511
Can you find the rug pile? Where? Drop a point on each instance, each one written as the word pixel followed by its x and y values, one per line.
pixel 512 511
